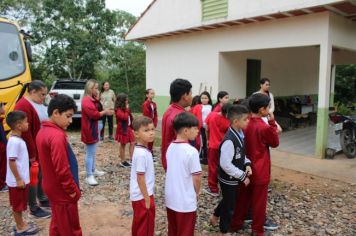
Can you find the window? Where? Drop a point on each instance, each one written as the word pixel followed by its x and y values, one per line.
pixel 214 9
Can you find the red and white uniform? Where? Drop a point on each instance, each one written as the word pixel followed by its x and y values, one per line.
pixel 89 120
pixel 124 133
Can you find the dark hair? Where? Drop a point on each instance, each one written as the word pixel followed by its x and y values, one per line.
pixel 225 108
pixel 184 120
pixel 14 117
pixel 102 86
pixel 36 85
pixel 62 102
pixel 264 80
pixel 245 102
pixel 147 92
pixel 236 111
pixel 121 101
pixel 195 101
pixel 178 88
pixel 206 93
pixel 257 101
pixel 141 121
pixel 220 95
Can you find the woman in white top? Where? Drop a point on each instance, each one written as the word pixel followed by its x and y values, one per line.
pixel 107 99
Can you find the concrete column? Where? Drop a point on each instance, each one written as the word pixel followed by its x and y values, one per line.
pixel 332 84
pixel 323 97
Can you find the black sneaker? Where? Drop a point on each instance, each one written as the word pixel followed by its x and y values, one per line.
pixel 4 189
pixel 269 225
pixel 125 164
pixel 45 204
pixel 40 213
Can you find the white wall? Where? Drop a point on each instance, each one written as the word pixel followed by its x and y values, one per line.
pixel 172 15
pixel 342 32
pixel 196 56
pixel 292 71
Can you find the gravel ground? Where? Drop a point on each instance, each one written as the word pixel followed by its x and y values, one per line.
pixel 300 203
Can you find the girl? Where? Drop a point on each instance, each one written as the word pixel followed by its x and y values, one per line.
pixel 149 109
pixel 222 98
pixel 107 99
pixel 89 129
pixel 124 133
pixel 201 111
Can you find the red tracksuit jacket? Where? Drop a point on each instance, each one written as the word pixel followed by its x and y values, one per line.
pixel 34 126
pixel 90 117
pixel 122 119
pixel 53 151
pixel 258 138
pixel 149 112
pixel 217 126
pixel 168 133
pixel 197 112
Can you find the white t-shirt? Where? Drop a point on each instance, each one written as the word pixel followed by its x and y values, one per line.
pixel 16 150
pixel 182 163
pixel 41 110
pixel 205 111
pixel 142 163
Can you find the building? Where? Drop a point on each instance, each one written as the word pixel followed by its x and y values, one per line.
pixel 229 44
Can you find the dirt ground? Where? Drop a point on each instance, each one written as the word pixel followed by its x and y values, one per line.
pixel 300 203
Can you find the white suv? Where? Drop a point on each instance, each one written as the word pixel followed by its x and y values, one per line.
pixel 72 88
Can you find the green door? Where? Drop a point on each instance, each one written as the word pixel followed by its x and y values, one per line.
pixel 253 76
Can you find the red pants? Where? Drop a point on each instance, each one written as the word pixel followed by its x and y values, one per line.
pixel 65 220
pixel 213 160
pixel 181 223
pixel 3 165
pixel 143 222
pixel 18 198
pixel 254 196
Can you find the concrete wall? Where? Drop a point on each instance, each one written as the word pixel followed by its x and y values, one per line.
pixel 293 71
pixel 342 32
pixel 172 15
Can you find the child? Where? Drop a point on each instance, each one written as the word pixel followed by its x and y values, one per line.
pixel 124 133
pixel 201 111
pixel 143 178
pixel 234 167
pixel 181 97
pixel 3 142
pixel 217 124
pixel 17 175
pixel 258 138
pixel 222 98
pixel 183 178
pixel 60 167
pixel 149 109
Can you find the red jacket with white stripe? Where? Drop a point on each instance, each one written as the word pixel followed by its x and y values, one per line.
pixel 90 117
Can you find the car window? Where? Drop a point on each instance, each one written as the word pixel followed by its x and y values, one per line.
pixel 69 85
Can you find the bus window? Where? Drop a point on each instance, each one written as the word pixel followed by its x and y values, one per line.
pixel 12 61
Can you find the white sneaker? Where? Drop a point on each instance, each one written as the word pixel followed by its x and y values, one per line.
pixel 91 180
pixel 99 173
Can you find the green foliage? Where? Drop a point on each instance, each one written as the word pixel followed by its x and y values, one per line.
pixel 345 85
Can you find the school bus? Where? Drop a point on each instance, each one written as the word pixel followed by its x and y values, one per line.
pixel 15 54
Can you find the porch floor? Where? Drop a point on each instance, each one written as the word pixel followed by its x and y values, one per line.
pixel 302 140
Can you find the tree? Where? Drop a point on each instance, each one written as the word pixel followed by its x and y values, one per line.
pixel 345 84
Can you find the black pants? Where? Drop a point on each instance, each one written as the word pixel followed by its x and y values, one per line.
pixel 204 145
pixel 110 122
pixel 226 207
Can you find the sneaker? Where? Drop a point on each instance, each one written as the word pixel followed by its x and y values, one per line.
pixel 4 189
pixel 40 213
pixel 269 225
pixel 125 164
pixel 91 180
pixel 248 221
pixel 208 191
pixel 45 204
pixel 99 173
pixel 269 189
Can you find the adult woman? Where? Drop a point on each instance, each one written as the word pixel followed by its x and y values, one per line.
pixel 32 105
pixel 107 99
pixel 89 129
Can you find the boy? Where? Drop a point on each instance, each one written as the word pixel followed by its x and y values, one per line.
pixel 259 136
pixel 3 142
pixel 17 175
pixel 143 178
pixel 181 97
pixel 60 167
pixel 183 178
pixel 234 167
pixel 217 124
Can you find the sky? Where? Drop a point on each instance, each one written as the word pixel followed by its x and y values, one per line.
pixel 135 7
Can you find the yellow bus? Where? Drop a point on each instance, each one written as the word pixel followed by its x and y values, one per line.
pixel 15 53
